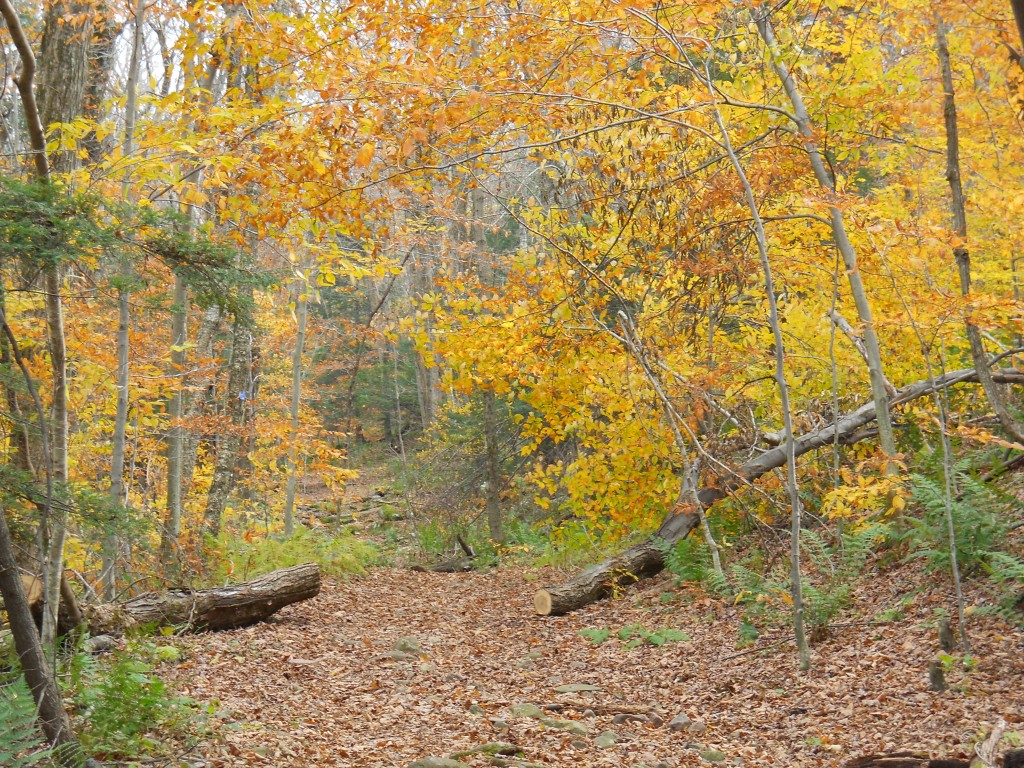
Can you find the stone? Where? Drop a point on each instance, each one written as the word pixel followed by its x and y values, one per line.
pixel 628 717
pixel 476 709
pixel 408 645
pixel 438 762
pixel 580 743
pixel 680 722
pixel 527 710
pixel 655 720
pixel 98 644
pixel 576 688
pixel 565 725
pixel 713 756
pixel 589 713
pixel 606 740
pixel 697 726
pixel 499 725
pixel 491 748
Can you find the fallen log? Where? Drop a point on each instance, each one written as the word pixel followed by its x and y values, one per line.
pixel 648 557
pixel 211 609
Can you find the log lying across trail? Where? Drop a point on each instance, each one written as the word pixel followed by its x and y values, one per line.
pixel 219 608
pixel 647 558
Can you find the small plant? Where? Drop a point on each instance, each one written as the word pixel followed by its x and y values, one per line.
pixel 21 744
pixel 748 635
pixel 897 612
pixel 432 537
pixel 124 702
pixel 594 635
pixel 689 560
pixel 635 635
pixel 1007 572
pixel 838 567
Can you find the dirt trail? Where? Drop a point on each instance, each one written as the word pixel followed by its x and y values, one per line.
pixel 398 666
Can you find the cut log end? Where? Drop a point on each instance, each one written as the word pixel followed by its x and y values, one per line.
pixel 542 602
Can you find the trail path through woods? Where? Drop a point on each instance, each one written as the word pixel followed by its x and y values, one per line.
pixel 398 666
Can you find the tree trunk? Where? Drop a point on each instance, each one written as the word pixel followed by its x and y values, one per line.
pixel 212 609
pixel 961 253
pixel 117 459
pixel 302 313
pixel 494 522
pixel 876 373
pixel 175 437
pixel 647 557
pixel 63 74
pixel 239 391
pixel 201 386
pixel 52 717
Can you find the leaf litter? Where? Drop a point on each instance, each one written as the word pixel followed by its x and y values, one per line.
pixel 399 666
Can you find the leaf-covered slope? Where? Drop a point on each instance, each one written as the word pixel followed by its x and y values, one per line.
pixel 399 666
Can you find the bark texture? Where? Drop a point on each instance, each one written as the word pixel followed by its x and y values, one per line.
pixel 212 609
pixel 237 409
pixel 647 557
pixel 52 717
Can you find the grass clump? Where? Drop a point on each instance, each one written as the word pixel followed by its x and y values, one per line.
pixel 338 556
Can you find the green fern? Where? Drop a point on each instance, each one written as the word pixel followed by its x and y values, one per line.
pixel 837 566
pixel 977 520
pixel 689 560
pixel 21 744
pixel 1007 571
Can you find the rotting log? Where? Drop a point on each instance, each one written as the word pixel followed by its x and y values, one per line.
pixel 648 557
pixel 211 609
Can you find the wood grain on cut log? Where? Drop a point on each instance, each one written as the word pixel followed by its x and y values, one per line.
pixel 647 558
pixel 213 609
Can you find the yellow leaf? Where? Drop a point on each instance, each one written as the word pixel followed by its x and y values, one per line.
pixel 365 154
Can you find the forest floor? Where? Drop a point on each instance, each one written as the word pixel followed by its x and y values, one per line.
pixel 397 666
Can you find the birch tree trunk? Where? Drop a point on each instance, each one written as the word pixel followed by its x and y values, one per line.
pixel 876 371
pixel 117 460
pixel 302 313
pixel 494 481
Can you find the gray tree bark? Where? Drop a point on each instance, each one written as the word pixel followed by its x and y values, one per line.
pixel 237 408
pixel 30 646
pixel 961 252
pixel 117 459
pixel 302 313
pixel 876 372
pixel 494 479
pixel 64 56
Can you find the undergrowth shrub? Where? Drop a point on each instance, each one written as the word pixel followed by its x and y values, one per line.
pixel 978 519
pixel 339 556
pixel 836 565
pixel 21 743
pixel 125 705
